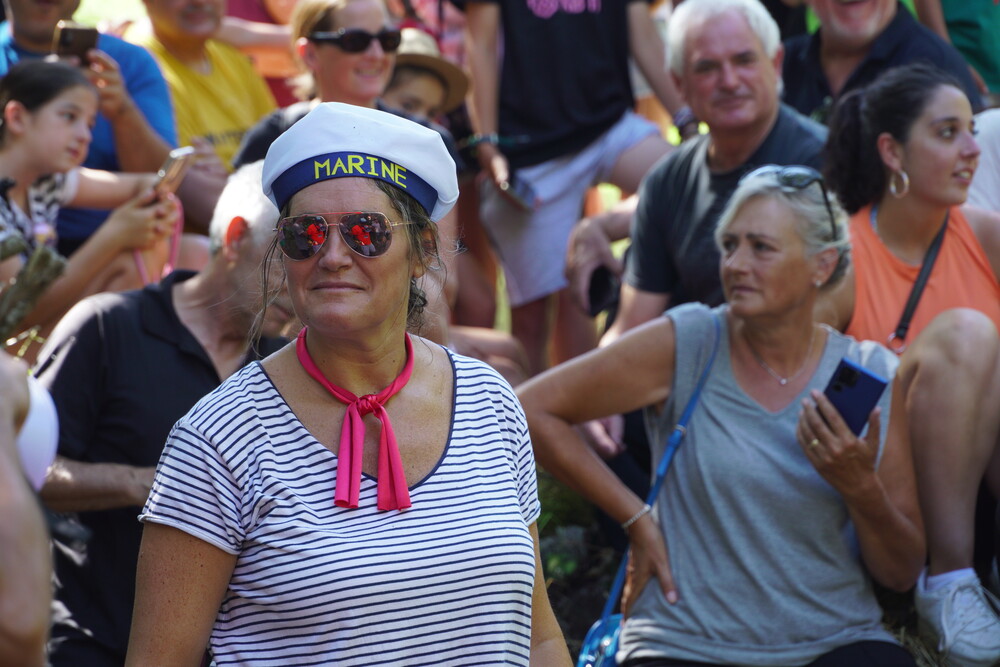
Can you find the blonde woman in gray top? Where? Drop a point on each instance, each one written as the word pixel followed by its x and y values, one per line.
pixel 774 518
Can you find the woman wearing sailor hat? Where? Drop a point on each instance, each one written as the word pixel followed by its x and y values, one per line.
pixel 362 496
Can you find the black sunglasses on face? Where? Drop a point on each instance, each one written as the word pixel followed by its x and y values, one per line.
pixel 356 40
pixel 369 234
pixel 797 177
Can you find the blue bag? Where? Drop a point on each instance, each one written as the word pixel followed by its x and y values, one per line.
pixel 601 643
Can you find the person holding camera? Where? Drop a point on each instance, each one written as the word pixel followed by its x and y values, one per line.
pixel 134 129
pixel 48 109
pixel 775 516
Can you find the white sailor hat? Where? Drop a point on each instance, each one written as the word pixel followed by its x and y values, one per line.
pixel 337 140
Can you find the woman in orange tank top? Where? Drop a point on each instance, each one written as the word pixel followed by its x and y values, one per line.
pixel 900 156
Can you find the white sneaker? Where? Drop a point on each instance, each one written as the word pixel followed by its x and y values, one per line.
pixel 960 618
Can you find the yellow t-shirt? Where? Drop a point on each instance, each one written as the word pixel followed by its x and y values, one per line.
pixel 219 106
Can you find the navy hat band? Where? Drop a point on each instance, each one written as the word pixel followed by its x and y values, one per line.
pixel 351 164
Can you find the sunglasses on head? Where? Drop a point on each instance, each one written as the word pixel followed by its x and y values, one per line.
pixel 797 177
pixel 367 233
pixel 355 40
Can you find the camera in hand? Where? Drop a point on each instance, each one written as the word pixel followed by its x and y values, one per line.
pixel 74 39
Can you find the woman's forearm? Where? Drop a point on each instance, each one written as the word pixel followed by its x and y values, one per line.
pixel 892 544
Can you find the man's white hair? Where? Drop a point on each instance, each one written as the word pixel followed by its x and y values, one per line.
pixel 693 11
pixel 243 197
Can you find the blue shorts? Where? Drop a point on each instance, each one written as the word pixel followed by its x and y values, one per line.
pixel 531 245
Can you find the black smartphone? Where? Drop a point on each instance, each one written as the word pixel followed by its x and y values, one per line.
pixel 172 172
pixel 603 290
pixel 854 391
pixel 520 192
pixel 74 39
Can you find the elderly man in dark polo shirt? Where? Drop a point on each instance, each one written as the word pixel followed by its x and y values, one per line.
pixel 725 57
pixel 855 43
pixel 122 368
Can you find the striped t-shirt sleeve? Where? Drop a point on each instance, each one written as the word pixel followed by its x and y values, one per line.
pixel 195 492
pixel 195 489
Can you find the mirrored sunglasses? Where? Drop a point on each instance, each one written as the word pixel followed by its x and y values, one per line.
pixel 367 233
pixel 797 177
pixel 356 40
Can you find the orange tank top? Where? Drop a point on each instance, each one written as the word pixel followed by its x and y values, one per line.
pixel 961 277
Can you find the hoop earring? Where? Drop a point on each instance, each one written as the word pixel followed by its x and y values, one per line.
pixel 905 178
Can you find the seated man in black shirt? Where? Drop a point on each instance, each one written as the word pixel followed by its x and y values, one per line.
pixel 726 59
pixel 856 43
pixel 122 368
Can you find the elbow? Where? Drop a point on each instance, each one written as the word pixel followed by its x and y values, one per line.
pixel 899 582
pixel 903 574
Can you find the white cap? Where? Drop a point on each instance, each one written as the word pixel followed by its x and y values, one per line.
pixel 337 140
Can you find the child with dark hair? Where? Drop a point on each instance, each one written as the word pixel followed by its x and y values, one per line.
pixel 424 84
pixel 48 111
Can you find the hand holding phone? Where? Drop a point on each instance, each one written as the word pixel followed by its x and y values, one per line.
pixel 520 193
pixel 854 391
pixel 603 290
pixel 74 39
pixel 172 172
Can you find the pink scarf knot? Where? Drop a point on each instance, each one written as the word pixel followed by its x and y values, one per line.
pixel 393 492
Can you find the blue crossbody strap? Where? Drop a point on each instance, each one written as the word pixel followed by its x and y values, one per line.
pixel 680 430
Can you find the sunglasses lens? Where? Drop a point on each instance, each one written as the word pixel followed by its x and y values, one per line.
pixel 301 237
pixel 390 40
pixel 355 41
pixel 798 178
pixel 368 234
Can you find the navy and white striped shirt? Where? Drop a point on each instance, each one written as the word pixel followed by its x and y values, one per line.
pixel 447 581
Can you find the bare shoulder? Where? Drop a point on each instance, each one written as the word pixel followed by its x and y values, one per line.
pixel 436 370
pixel 985 225
pixel 280 365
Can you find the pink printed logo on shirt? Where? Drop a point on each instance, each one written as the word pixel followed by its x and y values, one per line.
pixel 545 9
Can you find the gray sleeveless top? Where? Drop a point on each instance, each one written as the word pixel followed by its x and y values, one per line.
pixel 763 551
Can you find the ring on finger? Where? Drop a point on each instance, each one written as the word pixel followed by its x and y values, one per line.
pixel 814 443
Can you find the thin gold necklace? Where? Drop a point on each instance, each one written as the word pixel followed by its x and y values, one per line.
pixel 770 371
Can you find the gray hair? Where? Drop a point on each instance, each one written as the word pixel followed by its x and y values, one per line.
pixel 244 197
pixel 807 204
pixel 692 11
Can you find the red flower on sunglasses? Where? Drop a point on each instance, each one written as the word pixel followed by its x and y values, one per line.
pixel 315 234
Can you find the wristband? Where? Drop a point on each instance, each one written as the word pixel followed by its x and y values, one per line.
pixel 635 517
pixel 493 139
pixel 476 139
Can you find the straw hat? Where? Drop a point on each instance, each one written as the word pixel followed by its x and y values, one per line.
pixel 421 50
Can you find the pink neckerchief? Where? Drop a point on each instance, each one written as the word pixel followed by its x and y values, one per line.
pixel 393 493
